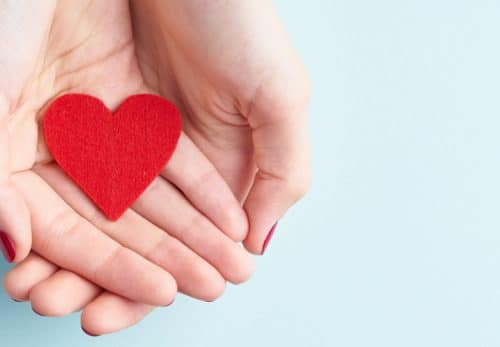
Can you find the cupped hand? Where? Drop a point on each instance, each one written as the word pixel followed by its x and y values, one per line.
pixel 244 96
pixel 180 232
pixel 244 92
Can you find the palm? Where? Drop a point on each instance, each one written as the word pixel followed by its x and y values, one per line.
pixel 96 56
pixel 93 55
pixel 208 94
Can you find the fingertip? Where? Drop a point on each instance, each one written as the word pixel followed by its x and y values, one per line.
pixel 244 269
pixel 44 306
pixel 267 202
pixel 206 283
pixel 90 324
pixel 253 244
pixel 110 313
pixel 258 246
pixel 19 281
pixel 237 228
pixel 87 323
pixel 62 294
pixel 93 323
pixel 15 226
pixel 12 288
pixel 162 291
pixel 264 216
pixel 213 292
pixel 168 292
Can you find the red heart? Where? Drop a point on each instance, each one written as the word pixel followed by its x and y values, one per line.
pixel 112 157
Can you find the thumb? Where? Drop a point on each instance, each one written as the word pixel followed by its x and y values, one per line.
pixel 15 229
pixel 281 151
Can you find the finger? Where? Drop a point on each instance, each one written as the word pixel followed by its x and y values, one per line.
pixel 166 207
pixel 66 239
pixel 191 172
pixel 281 152
pixel 62 293
pixel 15 228
pixel 19 281
pixel 109 313
pixel 195 277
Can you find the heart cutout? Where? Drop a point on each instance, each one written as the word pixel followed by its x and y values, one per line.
pixel 112 157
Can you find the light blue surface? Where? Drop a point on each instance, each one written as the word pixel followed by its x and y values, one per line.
pixel 398 242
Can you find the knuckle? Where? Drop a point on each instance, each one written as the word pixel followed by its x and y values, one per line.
pixel 195 224
pixel 206 178
pixel 160 250
pixel 102 270
pixel 283 89
pixel 64 224
pixel 97 218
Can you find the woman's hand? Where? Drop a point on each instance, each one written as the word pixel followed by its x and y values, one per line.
pixel 180 232
pixel 244 94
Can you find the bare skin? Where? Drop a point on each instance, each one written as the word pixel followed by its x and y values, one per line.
pixel 230 68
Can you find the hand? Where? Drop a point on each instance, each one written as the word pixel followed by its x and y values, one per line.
pixel 243 92
pixel 177 231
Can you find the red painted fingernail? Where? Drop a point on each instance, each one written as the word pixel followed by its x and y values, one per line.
pixel 7 246
pixel 268 237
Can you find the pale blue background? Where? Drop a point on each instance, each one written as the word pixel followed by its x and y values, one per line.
pixel 398 242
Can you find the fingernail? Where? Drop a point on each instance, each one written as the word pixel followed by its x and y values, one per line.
pixel 7 247
pixel 268 238
pixel 89 334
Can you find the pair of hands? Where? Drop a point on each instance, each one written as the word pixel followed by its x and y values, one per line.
pixel 243 94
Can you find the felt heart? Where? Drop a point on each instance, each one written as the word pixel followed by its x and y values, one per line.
pixel 112 157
